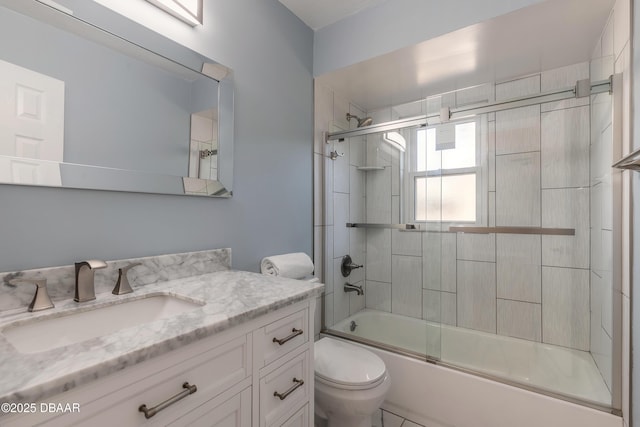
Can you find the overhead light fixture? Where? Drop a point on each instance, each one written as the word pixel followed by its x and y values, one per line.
pixel 395 140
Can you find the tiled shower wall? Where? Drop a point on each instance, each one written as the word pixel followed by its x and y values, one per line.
pixel 525 286
pixel 203 137
pixel 611 54
pixel 338 199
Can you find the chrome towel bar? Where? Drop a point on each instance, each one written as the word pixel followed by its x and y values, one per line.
pixel 516 230
pixel 394 226
pixel 472 229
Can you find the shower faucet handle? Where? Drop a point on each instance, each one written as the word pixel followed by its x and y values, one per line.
pixel 122 285
pixel 348 265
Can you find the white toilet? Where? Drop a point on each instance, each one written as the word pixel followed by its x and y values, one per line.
pixel 350 383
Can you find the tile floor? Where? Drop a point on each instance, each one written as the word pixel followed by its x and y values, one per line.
pixel 383 418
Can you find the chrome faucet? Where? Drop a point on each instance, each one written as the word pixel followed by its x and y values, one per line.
pixel 348 287
pixel 85 289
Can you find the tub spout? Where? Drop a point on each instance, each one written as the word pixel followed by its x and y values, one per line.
pixel 348 287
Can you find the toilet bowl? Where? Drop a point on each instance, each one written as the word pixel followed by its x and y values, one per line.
pixel 350 383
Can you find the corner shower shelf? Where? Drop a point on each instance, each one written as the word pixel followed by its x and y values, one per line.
pixel 631 161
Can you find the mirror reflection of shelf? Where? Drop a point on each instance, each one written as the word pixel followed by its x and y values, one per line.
pixel 370 168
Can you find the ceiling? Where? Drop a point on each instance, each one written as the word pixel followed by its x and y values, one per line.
pixel 320 13
pixel 544 36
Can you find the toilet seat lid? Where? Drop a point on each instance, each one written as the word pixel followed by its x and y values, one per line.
pixel 346 364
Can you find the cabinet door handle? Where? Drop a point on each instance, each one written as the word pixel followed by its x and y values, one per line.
pixel 150 412
pixel 294 333
pixel 283 396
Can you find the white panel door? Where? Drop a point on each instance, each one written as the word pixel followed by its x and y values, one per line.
pixel 31 126
pixel 16 170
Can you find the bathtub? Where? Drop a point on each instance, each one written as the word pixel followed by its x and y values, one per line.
pixel 437 396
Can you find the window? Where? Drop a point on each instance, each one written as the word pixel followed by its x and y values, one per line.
pixel 445 177
pixel 189 11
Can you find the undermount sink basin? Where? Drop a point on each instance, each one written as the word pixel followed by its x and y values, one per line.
pixel 53 332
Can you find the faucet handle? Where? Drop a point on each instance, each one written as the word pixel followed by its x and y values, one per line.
pixel 122 285
pixel 41 299
pixel 347 265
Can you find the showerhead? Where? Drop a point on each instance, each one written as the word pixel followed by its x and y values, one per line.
pixel 361 122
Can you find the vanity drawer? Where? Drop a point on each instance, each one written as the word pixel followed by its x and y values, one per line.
pixel 213 372
pixel 299 419
pixel 234 411
pixel 284 389
pixel 280 337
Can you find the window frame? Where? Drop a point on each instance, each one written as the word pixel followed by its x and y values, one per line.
pixel 178 10
pixel 479 170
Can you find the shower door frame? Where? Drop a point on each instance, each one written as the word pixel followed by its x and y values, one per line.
pixel 621 221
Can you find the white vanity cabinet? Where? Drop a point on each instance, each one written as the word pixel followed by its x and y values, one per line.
pixel 283 367
pixel 255 374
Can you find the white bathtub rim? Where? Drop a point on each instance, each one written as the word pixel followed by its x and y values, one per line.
pixel 553 411
pixel 597 397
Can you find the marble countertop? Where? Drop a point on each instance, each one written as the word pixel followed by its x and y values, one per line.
pixel 231 297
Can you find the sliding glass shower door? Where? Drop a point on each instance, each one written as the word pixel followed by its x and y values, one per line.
pixel 486 240
pixel 394 311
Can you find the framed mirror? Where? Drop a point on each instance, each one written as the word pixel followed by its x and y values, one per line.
pixel 81 107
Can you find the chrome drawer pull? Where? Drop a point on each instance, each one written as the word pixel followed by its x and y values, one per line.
pixel 295 333
pixel 150 412
pixel 283 396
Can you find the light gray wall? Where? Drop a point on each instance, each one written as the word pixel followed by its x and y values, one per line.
pixel 395 24
pixel 270 52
